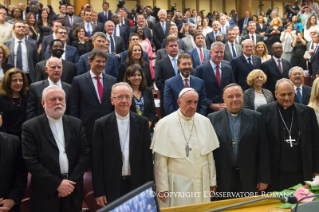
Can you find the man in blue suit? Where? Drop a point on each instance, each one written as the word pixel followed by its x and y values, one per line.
pixel 217 76
pixel 106 15
pixel 245 63
pixel 243 24
pixel 133 39
pixel 184 79
pixel 99 40
pixel 199 54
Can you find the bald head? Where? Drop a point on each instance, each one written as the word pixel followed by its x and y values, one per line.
pixel 54 69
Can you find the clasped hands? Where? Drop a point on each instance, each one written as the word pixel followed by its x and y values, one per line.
pixel 6 204
pixel 66 188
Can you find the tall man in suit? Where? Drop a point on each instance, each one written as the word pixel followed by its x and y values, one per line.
pixel 161 29
pixel 217 76
pixel 56 154
pixel 243 24
pixel 232 50
pixel 174 85
pixel 303 92
pixel 117 44
pixel 47 39
pixel 248 154
pixel 223 24
pixel 87 25
pixel 147 31
pixel 275 68
pixel 122 160
pixel 119 30
pixel 25 55
pixel 13 173
pixel 94 20
pixel 92 90
pixel 150 17
pixel 293 134
pixel 314 59
pixel 199 54
pixel 71 19
pixel 99 41
pixel 245 63
pixel 173 29
pixel 252 33
pixel 211 37
pixel 54 70
pixel 105 15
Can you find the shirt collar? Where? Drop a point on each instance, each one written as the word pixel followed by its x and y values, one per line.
pixel 276 59
pixel 17 40
pixel 54 120
pixel 93 75
pixel 122 117
pixel 183 78
pixel 52 83
pixel 251 57
pixel 234 115
pixel 170 57
pixel 295 87
pixel 214 65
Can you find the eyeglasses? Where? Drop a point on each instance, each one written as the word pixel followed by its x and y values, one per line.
pixel 122 97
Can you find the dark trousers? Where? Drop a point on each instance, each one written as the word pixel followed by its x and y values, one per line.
pixel 235 185
pixel 298 61
pixel 285 180
pixel 67 205
pixel 125 186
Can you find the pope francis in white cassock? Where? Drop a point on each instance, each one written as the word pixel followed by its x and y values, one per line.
pixel 183 142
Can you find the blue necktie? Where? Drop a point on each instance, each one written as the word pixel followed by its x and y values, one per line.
pixel 250 64
pixel 163 28
pixel 112 44
pixel 89 32
pixel 299 95
pixel 175 66
pixel 223 30
pixel 19 56
pixel 114 31
pixel 233 49
pixel 215 33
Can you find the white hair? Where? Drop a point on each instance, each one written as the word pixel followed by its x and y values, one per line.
pixel 119 84
pixel 50 87
pixel 106 23
pixel 162 11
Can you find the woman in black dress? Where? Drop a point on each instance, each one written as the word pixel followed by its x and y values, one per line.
pixel 80 44
pixel 44 24
pixel 34 32
pixel 261 26
pixel 273 32
pixel 13 101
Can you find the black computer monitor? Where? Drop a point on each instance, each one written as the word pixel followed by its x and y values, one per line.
pixel 141 199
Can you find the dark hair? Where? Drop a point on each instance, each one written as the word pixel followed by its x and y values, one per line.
pixel 132 69
pixel 77 29
pixel 135 31
pixel 53 22
pixel 61 27
pixel 133 34
pixel 105 3
pixel 40 21
pixel 15 8
pixel 129 59
pixel 69 5
pixel 184 56
pixel 27 17
pixel 171 39
pixel 97 52
pixel 55 40
pixel 3 7
pixel 5 85
pixel 198 34
pixel 62 5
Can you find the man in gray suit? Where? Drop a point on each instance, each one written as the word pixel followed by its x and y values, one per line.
pixel 54 70
pixel 232 49
pixel 117 44
pixel 25 56
pixel 149 17
pixel 70 19
pixel 252 33
pixel 189 39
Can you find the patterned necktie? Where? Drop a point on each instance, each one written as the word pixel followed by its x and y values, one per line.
pixel 250 64
pixel 218 76
pixel 175 66
pixel 201 55
pixel 279 66
pixel 299 95
pixel 99 87
pixel 19 56
pixel 186 83
pixel 89 31
pixel 233 50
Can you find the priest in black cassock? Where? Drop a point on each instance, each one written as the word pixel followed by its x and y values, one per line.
pixel 293 136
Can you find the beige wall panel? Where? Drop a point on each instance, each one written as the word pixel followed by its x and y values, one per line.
pixel 16 2
pixel 254 7
pixel 190 4
pixel 204 5
pixel 179 4
pixel 281 10
pixel 267 5
pixel 230 5
pixel 217 5
pixel 144 3
pixel 162 4
pixel 112 3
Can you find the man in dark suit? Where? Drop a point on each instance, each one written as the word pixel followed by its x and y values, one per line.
pixel 105 15
pixel 100 26
pixel 275 68
pixel 252 33
pixel 244 129
pixel 161 29
pixel 199 54
pixel 99 41
pixel 232 49
pixel 211 37
pixel 216 75
pixel 148 23
pixel 122 159
pixel 134 39
pixel 54 70
pixel 302 92
pixel 293 134
pixel 245 63
pixel 314 58
pixel 47 39
pixel 56 49
pixel 117 44
pixel 13 173
pixel 56 154
pixel 123 21
pixel 120 30
pixel 24 57
pixel 173 29
pixel 92 90
pixel 62 9
pixel 70 18
pixel 243 24
pixel 87 25
pixel 147 31
pixel 174 85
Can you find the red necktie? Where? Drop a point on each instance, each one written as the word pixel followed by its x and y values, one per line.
pixel 186 83
pixel 218 75
pixel 99 87
pixel 201 55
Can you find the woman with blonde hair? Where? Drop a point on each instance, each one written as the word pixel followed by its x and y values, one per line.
pixel 314 98
pixel 273 32
pixel 256 95
pixel 261 51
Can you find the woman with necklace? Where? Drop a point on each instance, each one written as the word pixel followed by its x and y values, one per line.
pixel 13 99
pixel 256 95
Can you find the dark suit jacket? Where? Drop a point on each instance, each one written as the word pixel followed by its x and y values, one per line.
pixel 147 33
pixel 124 35
pixel 71 54
pixel 159 34
pixel 81 24
pixel 145 69
pixel 314 64
pixel 119 44
pixel 13 173
pixel 214 93
pixel 69 71
pixel 195 57
pixel 173 87
pixel 101 17
pixel 249 97
pixel 100 26
pixel 6 67
pixel 258 38
pixel 107 155
pixel 241 69
pixel 41 156
pixel 111 65
pixel 253 151
pixel 273 74
pixel 210 38
pixel 124 56
pixel 34 106
pixel 241 23
pixel 85 104
pixel 228 55
pixel 46 42
pixel 32 55
pixel 181 44
pixel 261 29
pixel 306 93
pixel 76 19
pixel 309 137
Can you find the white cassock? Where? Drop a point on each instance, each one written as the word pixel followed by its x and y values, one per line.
pixel 174 172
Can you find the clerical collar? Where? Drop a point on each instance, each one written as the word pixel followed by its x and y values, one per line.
pixel 54 120
pixel 122 117
pixel 234 114
pixel 284 108
pixel 181 115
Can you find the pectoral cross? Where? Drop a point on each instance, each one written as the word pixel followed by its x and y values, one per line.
pixel 187 149
pixel 233 143
pixel 290 140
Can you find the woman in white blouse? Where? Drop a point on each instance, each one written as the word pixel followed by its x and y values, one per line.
pixel 314 98
pixel 286 38
pixel 261 51
pixel 206 28
pixel 311 23
pixel 256 95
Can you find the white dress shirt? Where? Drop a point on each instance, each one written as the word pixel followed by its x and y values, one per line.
pixel 25 66
pixel 117 26
pixel 164 25
pixel 58 134
pixel 58 83
pixel 276 60
pixel 95 83
pixel 123 126
pixel 231 50
pixel 188 81
pixel 86 28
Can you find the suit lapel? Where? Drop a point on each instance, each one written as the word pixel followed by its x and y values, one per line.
pixel 91 86
pixel 274 64
pixel 112 126
pixel 105 83
pixel 67 131
pixel 180 83
pixel 47 130
pixel 224 123
pixel 243 60
pixel 244 124
pixel 196 57
pixel 5 149
pixel 254 61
